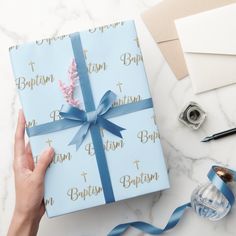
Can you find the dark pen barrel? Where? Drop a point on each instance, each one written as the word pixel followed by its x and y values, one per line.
pixel 224 133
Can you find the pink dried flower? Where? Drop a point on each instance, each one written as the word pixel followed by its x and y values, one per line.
pixel 68 91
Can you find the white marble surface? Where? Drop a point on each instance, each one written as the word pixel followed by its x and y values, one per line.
pixel 187 158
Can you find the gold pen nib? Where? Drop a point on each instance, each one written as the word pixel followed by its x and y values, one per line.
pixel 206 139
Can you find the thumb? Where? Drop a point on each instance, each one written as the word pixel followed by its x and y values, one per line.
pixel 44 161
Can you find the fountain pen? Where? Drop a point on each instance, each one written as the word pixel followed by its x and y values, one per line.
pixel 220 135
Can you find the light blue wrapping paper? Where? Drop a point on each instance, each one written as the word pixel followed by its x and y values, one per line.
pixel 113 57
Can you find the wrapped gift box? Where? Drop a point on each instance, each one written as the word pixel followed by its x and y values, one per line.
pixel 107 148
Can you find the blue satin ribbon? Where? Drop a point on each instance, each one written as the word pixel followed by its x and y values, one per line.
pixel 92 119
pixel 178 212
pixel 148 228
pixel 65 123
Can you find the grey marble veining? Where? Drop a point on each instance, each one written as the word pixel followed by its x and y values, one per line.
pixel 187 158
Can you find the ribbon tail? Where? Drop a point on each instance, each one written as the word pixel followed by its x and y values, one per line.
pixel 109 126
pixel 80 136
pixel 148 228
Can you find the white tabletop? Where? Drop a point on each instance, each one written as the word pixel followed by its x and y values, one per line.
pixel 188 159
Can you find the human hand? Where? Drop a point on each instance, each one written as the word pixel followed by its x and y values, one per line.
pixel 29 184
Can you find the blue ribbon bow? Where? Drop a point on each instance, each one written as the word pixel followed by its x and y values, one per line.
pixel 91 118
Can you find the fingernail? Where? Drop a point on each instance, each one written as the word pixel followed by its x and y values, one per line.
pixel 50 151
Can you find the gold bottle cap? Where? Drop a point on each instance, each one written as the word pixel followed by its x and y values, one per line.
pixel 225 174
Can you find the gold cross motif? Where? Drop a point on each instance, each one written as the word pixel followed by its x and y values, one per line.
pixel 136 163
pixel 119 85
pixel 137 41
pixel 84 175
pixel 31 64
pixel 102 132
pixel 49 141
pixel 85 51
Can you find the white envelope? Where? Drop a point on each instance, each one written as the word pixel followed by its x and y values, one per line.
pixel 208 40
